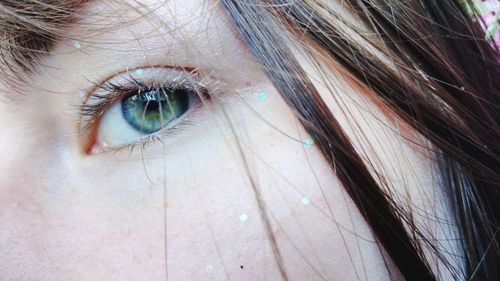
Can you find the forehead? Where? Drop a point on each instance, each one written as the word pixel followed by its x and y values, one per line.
pixel 150 25
pixel 125 34
pixel 29 30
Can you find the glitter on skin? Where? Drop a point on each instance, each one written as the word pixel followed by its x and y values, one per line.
pixel 308 143
pixel 305 200
pixel 139 71
pixel 209 268
pixel 77 45
pixel 243 217
pixel 262 95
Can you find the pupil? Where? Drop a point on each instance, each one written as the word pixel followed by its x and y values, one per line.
pixel 153 106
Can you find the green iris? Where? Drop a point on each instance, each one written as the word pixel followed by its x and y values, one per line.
pixel 149 111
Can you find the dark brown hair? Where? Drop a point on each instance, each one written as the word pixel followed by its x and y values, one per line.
pixel 441 79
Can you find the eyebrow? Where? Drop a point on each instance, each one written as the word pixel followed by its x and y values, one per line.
pixel 30 29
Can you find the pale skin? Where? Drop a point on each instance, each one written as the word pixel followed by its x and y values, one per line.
pixel 185 207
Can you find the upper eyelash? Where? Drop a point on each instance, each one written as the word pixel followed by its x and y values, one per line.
pixel 111 91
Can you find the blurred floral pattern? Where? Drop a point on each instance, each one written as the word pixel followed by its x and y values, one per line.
pixel 489 10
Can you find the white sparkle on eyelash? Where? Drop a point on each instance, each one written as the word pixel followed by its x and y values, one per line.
pixel 243 217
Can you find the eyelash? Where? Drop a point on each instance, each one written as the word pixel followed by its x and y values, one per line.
pixel 152 138
pixel 111 93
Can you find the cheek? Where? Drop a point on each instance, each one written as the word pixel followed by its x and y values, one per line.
pixel 208 205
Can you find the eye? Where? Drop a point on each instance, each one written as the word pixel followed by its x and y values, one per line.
pixel 149 111
pixel 130 110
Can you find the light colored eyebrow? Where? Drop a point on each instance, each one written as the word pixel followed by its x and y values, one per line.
pixel 30 29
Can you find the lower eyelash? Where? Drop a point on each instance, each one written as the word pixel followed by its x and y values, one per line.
pixel 151 139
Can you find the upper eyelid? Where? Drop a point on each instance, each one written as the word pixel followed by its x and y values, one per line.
pixel 97 84
pixel 108 91
pixel 133 84
pixel 113 90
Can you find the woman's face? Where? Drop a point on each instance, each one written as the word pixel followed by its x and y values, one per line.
pixel 191 204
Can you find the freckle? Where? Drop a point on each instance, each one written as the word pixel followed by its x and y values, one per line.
pixel 135 259
pixel 77 45
pixel 37 208
pixel 209 268
pixel 241 266
pixel 158 181
pixel 243 217
pixel 248 83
